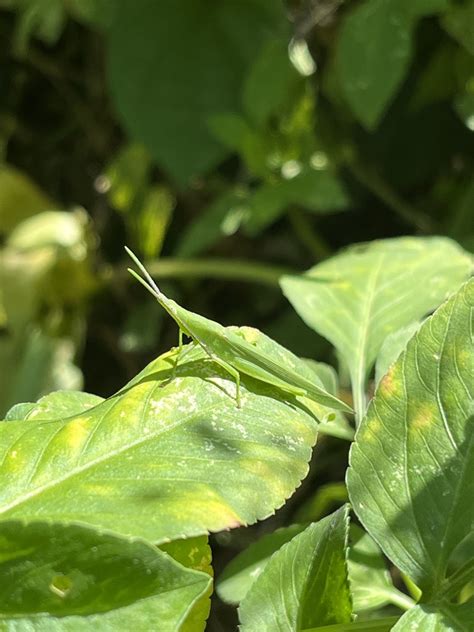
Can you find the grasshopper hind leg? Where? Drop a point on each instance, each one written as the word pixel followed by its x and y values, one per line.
pixel 234 373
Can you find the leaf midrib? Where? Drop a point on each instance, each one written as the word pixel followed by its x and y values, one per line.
pixel 25 497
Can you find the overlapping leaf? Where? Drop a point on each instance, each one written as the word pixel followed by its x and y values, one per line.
pixel 392 347
pixel 166 457
pixel 371 585
pixel 442 617
pixel 68 578
pixel 198 54
pixel 357 298
pixel 410 477
pixel 305 583
pixel 375 47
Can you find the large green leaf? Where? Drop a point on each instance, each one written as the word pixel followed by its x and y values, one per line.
pixel 71 578
pixel 371 585
pixel 305 583
pixel 375 48
pixel 444 617
pixel 359 297
pixel 173 65
pixel 164 458
pixel 410 477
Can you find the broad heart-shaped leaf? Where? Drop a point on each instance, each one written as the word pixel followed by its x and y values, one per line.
pixel 443 617
pixel 305 583
pixel 357 298
pixel 69 577
pixel 173 65
pixel 375 48
pixel 164 458
pixel 410 477
pixel 370 582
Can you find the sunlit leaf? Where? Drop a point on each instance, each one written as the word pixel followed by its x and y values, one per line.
pixel 410 477
pixel 62 404
pixel 359 297
pixel 175 453
pixel 312 564
pixel 75 578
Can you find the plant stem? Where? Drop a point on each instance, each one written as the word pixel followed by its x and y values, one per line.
pixel 399 599
pixel 307 235
pixel 373 625
pixel 360 399
pixel 232 269
pixel 413 589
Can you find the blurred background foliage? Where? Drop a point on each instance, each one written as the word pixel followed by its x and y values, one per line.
pixel 225 142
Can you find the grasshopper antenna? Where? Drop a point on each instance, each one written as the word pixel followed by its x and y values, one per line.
pixel 151 282
pixel 143 282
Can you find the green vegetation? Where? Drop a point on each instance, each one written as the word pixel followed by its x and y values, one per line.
pixel 297 178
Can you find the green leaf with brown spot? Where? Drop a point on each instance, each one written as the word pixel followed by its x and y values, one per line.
pixel 164 458
pixel 410 477
pixel 359 297
pixel 70 577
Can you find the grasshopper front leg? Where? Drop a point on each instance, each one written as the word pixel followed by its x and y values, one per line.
pixel 178 355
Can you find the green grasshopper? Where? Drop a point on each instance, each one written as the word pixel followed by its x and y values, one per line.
pixel 232 352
